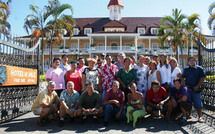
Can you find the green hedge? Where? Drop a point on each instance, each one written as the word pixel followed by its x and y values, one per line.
pixel 42 77
pixel 210 78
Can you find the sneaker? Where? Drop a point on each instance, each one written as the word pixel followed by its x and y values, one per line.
pixel 183 122
pixel 200 120
pixel 61 123
pixel 106 123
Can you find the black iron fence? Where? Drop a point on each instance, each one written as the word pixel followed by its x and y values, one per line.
pixel 16 99
pixel 206 59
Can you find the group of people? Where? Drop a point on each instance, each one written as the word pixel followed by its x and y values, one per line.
pixel 122 89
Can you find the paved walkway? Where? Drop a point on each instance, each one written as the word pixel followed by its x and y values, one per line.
pixel 27 124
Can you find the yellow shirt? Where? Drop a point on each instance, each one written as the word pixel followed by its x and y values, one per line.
pixel 45 98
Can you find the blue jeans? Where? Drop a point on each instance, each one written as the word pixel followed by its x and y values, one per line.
pixel 110 110
pixel 103 95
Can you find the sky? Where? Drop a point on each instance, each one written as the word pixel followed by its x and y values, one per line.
pixel 19 9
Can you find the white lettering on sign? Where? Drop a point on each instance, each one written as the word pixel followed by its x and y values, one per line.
pixel 22 80
pixel 17 73
pixel 32 74
pixel 16 80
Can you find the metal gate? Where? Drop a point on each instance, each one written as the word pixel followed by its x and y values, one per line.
pixel 17 99
pixel 206 58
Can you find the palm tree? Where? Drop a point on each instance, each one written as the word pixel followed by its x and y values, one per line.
pixel 4 14
pixel 174 30
pixel 59 20
pixel 212 17
pixel 191 29
pixel 37 23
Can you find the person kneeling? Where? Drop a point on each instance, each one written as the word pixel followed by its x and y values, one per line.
pixel 68 103
pixel 46 103
pixel 114 100
pixel 157 99
pixel 89 103
pixel 181 100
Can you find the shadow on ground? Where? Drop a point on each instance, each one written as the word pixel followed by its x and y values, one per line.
pixel 27 123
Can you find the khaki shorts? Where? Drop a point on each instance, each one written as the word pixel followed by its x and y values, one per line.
pixel 37 111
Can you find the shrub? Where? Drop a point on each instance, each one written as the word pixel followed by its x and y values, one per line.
pixel 210 78
pixel 42 77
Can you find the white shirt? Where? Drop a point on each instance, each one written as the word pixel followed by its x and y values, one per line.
pixel 65 68
pixel 165 73
pixel 174 75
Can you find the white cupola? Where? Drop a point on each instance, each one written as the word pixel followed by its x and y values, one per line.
pixel 115 7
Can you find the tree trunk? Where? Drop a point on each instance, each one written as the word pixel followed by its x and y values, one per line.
pixel 42 56
pixel 182 56
pixel 189 47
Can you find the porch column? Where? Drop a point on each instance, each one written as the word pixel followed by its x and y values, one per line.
pixel 192 48
pixel 121 42
pixel 149 44
pixel 64 43
pixel 78 47
pixel 90 47
pixel 105 44
pixel 135 40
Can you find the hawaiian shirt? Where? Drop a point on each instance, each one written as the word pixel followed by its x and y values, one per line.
pixel 108 74
pixel 70 100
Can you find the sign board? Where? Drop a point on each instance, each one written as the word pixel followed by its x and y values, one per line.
pixel 11 76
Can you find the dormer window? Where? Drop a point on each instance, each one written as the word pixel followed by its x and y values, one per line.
pixel 75 31
pixel 167 30
pixel 141 30
pixel 154 31
pixel 87 31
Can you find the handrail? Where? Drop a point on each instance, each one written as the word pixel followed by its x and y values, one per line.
pixel 205 48
pixel 19 47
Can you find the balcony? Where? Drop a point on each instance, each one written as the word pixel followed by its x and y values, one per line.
pixel 57 51
pixel 112 49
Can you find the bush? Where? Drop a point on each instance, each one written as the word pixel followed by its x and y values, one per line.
pixel 210 78
pixel 42 77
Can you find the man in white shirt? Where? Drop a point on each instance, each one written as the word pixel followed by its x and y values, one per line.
pixel 64 65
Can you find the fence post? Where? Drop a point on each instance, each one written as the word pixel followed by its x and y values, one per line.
pixel 199 52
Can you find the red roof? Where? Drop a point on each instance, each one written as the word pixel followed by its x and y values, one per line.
pixel 114 23
pixel 115 2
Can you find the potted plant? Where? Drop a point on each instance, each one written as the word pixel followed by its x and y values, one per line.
pixel 132 47
pixel 93 48
pixel 61 48
pixel 66 50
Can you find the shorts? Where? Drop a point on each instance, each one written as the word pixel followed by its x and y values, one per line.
pixel 196 99
pixel 38 111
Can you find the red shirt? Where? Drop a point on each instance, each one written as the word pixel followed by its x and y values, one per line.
pixel 156 97
pixel 119 96
pixel 108 74
pixel 76 79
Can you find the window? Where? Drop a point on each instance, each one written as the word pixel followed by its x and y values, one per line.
pixel 74 46
pixel 87 46
pixel 141 30
pixel 167 30
pixel 119 10
pixel 87 31
pixel 115 10
pixel 154 31
pixel 47 62
pixel 141 46
pixel 47 46
pixel 75 31
pixel 155 45
pixel 101 46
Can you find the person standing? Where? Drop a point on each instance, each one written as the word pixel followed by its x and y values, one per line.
pixel 90 74
pixel 57 75
pixel 64 65
pixel 175 71
pixel 194 76
pixel 74 76
pixel 165 71
pixel 107 75
pixel 126 76
pixel 141 73
pixel 81 65
pixel 155 58
pixel 120 62
pixel 153 74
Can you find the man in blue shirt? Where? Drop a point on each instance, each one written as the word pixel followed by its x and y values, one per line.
pixel 181 100
pixel 194 76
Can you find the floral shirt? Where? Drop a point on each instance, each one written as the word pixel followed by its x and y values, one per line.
pixel 108 74
pixel 141 78
pixel 70 100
